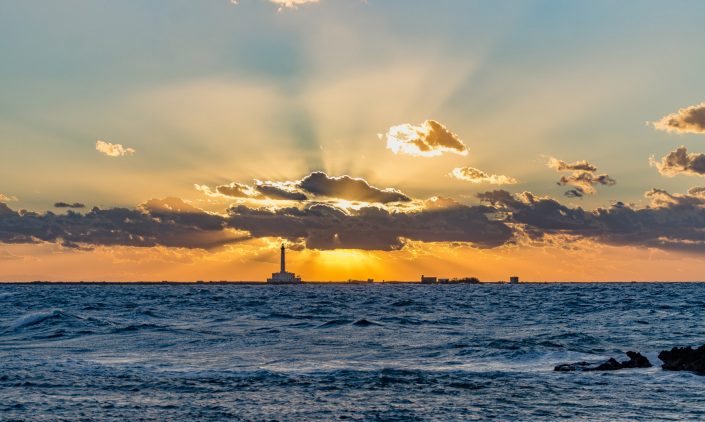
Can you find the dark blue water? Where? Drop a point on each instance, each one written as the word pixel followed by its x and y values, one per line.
pixel 358 352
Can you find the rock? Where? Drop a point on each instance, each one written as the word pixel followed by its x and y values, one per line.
pixel 636 360
pixel 610 365
pixel 684 359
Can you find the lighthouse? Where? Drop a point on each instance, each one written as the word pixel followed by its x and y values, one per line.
pixel 283 277
pixel 283 260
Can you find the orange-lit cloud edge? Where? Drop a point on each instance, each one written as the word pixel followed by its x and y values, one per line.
pixel 343 227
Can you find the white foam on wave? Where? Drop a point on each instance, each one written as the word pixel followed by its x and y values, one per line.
pixel 33 318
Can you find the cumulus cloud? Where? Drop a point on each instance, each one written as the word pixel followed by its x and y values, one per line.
pixel 346 187
pixel 697 191
pixel 230 190
pixel 686 120
pixel 285 191
pixel 7 198
pixel 68 205
pixel 113 150
pixel 672 221
pixel 584 182
pixel 429 139
pixel 474 175
pixel 680 161
pixel 235 190
pixel 316 183
pixel 560 165
pixel 159 222
pixel 583 178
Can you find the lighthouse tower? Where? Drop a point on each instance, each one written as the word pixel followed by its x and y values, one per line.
pixel 283 260
pixel 283 277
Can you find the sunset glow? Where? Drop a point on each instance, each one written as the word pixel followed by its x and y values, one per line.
pixel 497 141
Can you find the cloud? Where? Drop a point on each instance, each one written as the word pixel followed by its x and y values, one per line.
pixel 235 190
pixel 231 190
pixel 560 165
pixel 584 182
pixel 113 150
pixel 172 222
pixel 285 191
pixel 583 177
pixel 290 4
pixel 6 198
pixel 429 139
pixel 697 192
pixel 672 221
pixel 346 187
pixel 686 120
pixel 324 226
pixel 474 175
pixel 166 222
pixel 575 193
pixel 680 161
pixel 68 205
pixel 5 210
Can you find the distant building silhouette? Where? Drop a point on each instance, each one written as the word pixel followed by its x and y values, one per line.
pixel 513 280
pixel 368 281
pixel 284 277
pixel 428 280
pixel 436 280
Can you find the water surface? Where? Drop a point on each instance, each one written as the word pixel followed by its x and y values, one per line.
pixel 357 352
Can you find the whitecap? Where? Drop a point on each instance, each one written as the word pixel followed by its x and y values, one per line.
pixel 34 318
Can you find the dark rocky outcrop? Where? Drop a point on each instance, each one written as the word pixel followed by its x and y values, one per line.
pixel 684 359
pixel 636 360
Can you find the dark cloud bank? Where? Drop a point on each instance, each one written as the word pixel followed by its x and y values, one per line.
pixel 672 221
pixel 323 226
pixel 170 222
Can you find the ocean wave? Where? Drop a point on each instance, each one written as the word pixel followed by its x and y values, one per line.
pixel 364 323
pixel 335 323
pixel 416 348
pixel 35 318
pixel 139 327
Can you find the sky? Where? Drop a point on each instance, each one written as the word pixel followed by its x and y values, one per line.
pixel 187 139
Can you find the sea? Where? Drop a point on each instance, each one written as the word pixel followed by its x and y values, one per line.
pixel 377 352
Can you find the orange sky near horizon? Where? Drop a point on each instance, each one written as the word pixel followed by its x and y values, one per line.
pixel 586 262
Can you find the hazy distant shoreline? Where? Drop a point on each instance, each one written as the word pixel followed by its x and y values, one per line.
pixel 262 283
